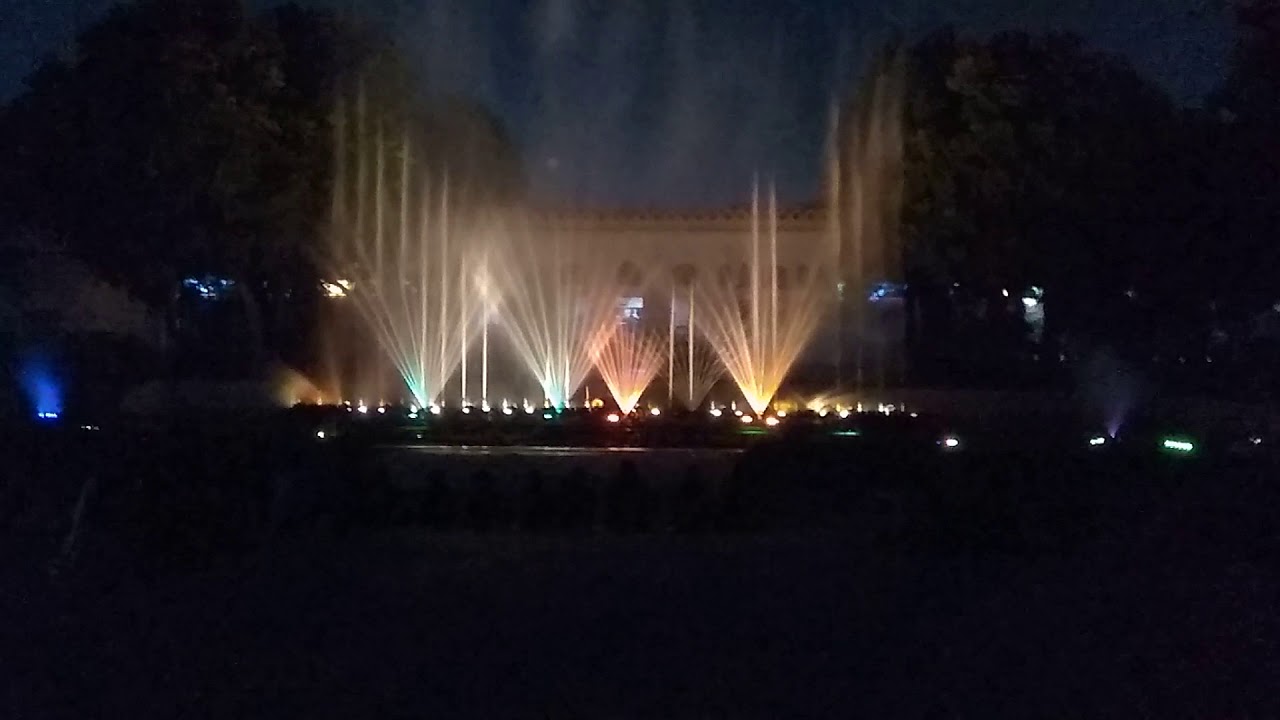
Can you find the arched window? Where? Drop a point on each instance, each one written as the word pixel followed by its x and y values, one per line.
pixel 629 274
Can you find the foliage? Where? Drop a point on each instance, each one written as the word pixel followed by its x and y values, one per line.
pixel 186 137
pixel 1242 123
pixel 1035 161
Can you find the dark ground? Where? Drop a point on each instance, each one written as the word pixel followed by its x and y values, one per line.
pixel 1175 615
pixel 417 626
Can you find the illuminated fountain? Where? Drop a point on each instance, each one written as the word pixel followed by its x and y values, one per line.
pixel 558 304
pixel 432 274
pixel 864 188
pixel 695 368
pixel 405 252
pixel 628 362
pixel 757 328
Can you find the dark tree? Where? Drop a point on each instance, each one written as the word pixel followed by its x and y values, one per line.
pixel 1244 174
pixel 187 138
pixel 1035 161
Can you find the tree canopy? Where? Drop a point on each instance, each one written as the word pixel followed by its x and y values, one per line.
pixel 1033 160
pixel 190 137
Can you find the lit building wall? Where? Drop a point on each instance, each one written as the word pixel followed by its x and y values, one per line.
pixel 655 253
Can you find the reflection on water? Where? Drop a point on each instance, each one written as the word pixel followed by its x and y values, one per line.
pixel 410 464
pixel 559 451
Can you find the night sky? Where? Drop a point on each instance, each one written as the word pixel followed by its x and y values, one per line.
pixel 649 103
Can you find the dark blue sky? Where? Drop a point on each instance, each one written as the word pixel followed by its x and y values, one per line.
pixel 649 102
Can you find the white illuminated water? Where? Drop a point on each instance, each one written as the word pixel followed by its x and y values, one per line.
pixel 432 274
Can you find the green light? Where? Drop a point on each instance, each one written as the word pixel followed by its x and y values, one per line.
pixel 846 433
pixel 1182 446
pixel 752 431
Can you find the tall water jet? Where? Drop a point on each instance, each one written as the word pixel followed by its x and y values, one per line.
pixel 671 348
pixel 558 304
pixel 628 362
pixel 697 370
pixel 864 197
pixel 757 330
pixel 402 249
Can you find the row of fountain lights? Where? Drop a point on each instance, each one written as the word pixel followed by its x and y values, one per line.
pixel 1176 445
pixel 548 409
pixel 731 410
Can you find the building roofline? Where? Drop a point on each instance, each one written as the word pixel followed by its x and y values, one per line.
pixel 723 217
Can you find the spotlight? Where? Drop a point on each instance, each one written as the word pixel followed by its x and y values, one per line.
pixel 1177 445
pixel 1255 440
pixel 612 417
pixel 484 407
pixel 47 415
pixel 844 414
pixel 655 412
pixel 363 409
pixel 950 442
pixel 771 421
pixel 435 409
pixel 746 419
pixel 782 413
pixel 382 409
pixel 466 409
pixel 506 410
pixel 1097 440
pixel 716 412
pixel 413 409
pixel 823 413
pixel 413 415
pixel 547 416
pixel 320 434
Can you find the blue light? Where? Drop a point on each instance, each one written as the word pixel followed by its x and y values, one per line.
pixel 39 384
pixel 886 290
pixel 209 287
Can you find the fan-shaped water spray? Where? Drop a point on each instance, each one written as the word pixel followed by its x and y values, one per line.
pixel 558 303
pixel 628 362
pixel 758 329
pixel 406 255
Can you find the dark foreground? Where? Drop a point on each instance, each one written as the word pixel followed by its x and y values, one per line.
pixel 1159 601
